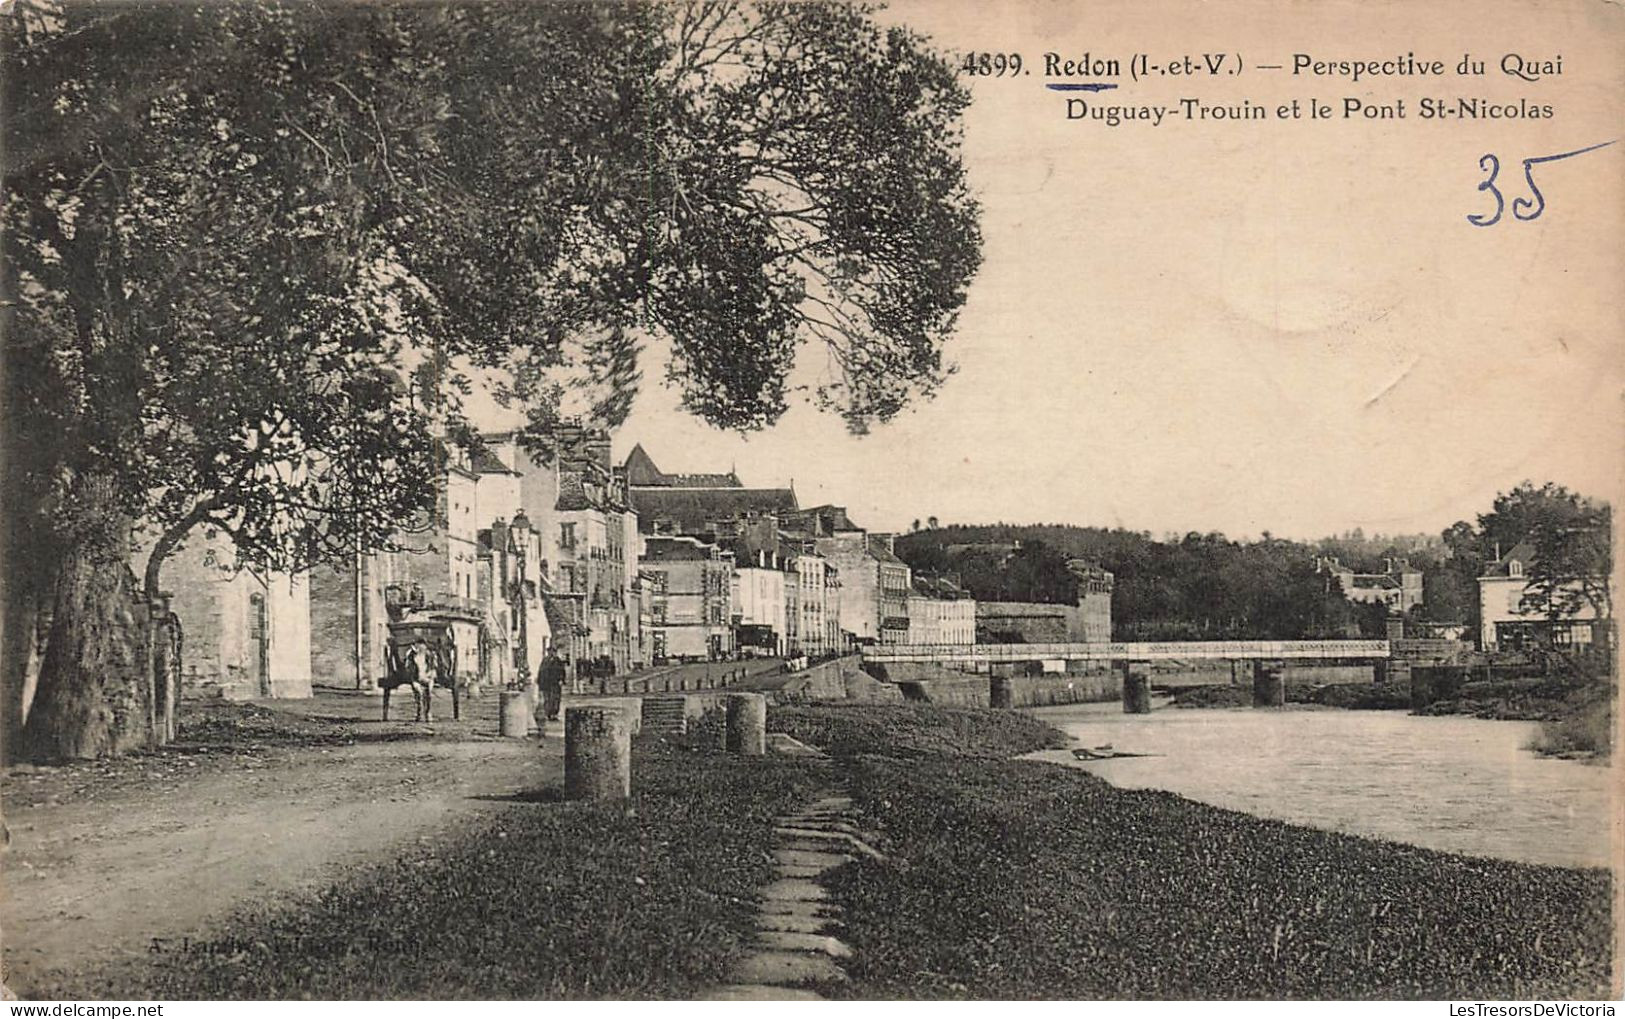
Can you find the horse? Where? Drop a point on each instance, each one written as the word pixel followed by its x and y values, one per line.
pixel 402 667
pixel 421 665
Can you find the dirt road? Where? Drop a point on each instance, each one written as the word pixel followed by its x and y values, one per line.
pixel 107 857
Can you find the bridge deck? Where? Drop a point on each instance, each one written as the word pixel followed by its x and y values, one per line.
pixel 1133 651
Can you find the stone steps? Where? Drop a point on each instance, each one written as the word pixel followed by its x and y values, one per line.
pixel 793 946
pixel 665 715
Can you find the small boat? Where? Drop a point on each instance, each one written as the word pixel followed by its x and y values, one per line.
pixel 1103 753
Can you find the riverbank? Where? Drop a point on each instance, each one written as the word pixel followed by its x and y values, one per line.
pixel 384 861
pixel 1576 717
pixel 1020 879
pixel 1001 879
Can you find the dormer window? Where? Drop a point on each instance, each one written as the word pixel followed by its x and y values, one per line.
pixel 1514 568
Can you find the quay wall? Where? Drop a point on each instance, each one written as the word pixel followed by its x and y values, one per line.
pixel 938 684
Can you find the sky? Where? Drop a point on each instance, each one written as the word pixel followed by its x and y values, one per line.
pixel 1284 326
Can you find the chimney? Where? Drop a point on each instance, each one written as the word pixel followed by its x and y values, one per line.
pixel 598 449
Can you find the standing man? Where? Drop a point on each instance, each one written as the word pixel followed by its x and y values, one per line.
pixel 551 675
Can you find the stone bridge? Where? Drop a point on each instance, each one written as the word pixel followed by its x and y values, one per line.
pixel 1132 660
pixel 1140 651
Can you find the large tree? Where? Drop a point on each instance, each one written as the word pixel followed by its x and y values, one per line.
pixel 232 231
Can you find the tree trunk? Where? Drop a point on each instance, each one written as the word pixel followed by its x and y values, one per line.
pixel 26 616
pixel 28 568
pixel 95 682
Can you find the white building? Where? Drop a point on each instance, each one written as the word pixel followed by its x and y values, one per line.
pixel 1506 622
pixel 760 614
pixel 940 612
pixel 246 633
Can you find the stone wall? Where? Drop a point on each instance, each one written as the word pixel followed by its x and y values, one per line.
pixel 1021 623
pixel 936 684
pixel 840 680
pixel 672 714
pixel 244 635
pixel 1329 675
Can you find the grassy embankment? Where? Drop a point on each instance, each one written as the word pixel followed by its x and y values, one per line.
pixel 545 900
pixel 1019 879
pixel 1003 879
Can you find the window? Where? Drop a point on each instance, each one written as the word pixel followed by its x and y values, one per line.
pixel 567 535
pixel 1514 568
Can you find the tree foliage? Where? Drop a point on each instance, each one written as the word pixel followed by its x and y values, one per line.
pixel 260 252
pixel 1571 540
pixel 1199 587
pixel 1209 587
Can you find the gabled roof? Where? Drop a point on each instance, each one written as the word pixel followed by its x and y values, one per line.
pixel 641 472
pixel 586 490
pixel 676 549
pixel 641 469
pixel 728 480
pixel 877 548
pixel 1523 552
pixel 572 494
pixel 1373 580
pixel 824 520
pixel 936 587
pixel 486 462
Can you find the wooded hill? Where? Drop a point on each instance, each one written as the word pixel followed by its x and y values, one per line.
pixel 1207 587
pixel 1200 587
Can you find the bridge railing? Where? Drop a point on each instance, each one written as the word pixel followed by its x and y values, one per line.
pixel 1139 651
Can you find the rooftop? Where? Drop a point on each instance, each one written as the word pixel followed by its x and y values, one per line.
pixel 641 472
pixel 692 509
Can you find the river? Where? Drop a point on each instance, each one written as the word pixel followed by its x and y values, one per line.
pixel 1464 785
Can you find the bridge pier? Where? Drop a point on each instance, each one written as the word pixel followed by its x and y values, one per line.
pixel 1001 692
pixel 1269 684
pixel 1136 680
pixel 1394 670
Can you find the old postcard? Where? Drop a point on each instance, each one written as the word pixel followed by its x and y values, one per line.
pixel 740 500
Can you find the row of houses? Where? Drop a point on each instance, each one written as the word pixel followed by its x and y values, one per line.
pixel 615 567
pixel 801 580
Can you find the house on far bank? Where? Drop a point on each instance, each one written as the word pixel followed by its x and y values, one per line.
pixel 1088 621
pixel 1399 586
pixel 1506 623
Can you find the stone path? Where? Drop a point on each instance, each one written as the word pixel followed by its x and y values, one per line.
pixel 793 945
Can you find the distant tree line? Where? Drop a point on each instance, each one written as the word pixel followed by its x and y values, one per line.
pixel 1209 587
pixel 1199 587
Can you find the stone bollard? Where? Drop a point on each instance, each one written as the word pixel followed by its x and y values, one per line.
pixel 597 753
pixel 514 719
pixel 747 724
pixel 1137 688
pixel 1269 684
pixel 1001 692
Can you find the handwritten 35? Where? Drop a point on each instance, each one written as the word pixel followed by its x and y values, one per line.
pixel 1522 208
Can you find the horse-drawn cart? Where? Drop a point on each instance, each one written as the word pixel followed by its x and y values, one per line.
pixel 421 653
